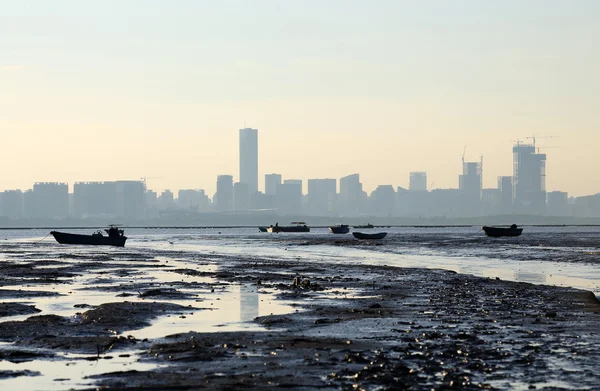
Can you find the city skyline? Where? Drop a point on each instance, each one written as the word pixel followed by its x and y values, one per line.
pixel 427 182
pixel 157 90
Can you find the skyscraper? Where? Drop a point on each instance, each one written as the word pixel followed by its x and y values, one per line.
pixel 271 183
pixel 321 196
pixel 224 196
pixel 469 184
pixel 529 179
pixel 249 158
pixel 418 181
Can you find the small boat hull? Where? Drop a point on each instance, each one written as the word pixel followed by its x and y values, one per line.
pixel 363 236
pixel 283 228
pixel 339 229
pixel 262 229
pixel 91 240
pixel 497 232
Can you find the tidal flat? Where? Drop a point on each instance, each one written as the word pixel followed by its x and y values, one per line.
pixel 134 319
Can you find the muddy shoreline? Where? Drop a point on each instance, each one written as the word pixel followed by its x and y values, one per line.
pixel 354 327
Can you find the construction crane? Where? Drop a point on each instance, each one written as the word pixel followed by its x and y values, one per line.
pixel 534 137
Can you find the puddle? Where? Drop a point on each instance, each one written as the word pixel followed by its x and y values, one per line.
pixel 69 371
pixel 232 309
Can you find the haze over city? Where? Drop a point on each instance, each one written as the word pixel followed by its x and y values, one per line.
pixel 118 90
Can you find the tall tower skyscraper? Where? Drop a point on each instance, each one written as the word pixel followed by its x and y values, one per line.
pixel 249 158
pixel 529 179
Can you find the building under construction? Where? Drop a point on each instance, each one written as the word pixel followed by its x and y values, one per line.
pixel 469 184
pixel 529 179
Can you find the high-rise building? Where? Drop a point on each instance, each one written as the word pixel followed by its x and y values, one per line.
pixel 191 199
pixel 50 200
pixel 271 183
pixel 351 195
pixel 558 203
pixel 505 187
pixel 249 158
pixel 241 197
pixel 166 200
pixel 529 179
pixel 289 197
pixel 94 199
pixel 321 196
pixel 417 181
pixel 11 204
pixel 224 195
pixel 383 200
pixel 469 184
pixel 131 200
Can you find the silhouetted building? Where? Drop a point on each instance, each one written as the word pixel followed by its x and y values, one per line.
pixel 249 158
pixel 166 200
pixel 383 200
pixel 490 201
pixel 351 195
pixel 224 195
pixel 505 187
pixel 587 206
pixel 529 179
pixel 11 204
pixel 241 197
pixel 151 200
pixel 289 197
pixel 470 189
pixel 557 203
pixel 131 199
pixel 417 181
pixel 321 197
pixel 444 203
pixel 49 200
pixel 191 199
pixel 94 199
pixel 272 181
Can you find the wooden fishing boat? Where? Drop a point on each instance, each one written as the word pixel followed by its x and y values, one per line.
pixel 497 232
pixel 115 238
pixel 364 236
pixel 296 226
pixel 339 229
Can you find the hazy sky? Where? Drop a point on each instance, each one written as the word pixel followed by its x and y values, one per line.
pixel 123 89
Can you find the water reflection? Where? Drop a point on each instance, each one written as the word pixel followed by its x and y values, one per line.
pixel 530 276
pixel 248 303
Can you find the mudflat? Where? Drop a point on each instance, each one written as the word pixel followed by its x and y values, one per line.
pixel 352 327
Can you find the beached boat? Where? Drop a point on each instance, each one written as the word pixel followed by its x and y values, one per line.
pixel 364 236
pixel 296 226
pixel 115 237
pixel 497 232
pixel 368 226
pixel 339 229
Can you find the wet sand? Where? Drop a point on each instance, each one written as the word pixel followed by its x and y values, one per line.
pixel 353 327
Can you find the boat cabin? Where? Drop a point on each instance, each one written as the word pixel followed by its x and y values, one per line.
pixel 114 232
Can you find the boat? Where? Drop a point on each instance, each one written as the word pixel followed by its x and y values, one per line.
pixel 114 237
pixel 360 235
pixel 497 232
pixel 262 229
pixel 368 226
pixel 339 229
pixel 295 226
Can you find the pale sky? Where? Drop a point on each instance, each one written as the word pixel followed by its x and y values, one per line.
pixel 110 90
